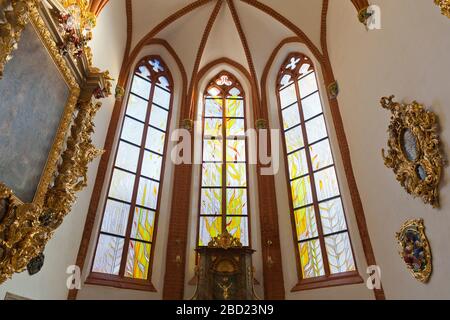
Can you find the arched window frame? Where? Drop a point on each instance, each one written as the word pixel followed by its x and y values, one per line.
pixel 296 67
pixel 224 82
pixel 154 72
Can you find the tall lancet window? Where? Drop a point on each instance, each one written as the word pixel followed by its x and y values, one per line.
pixel 128 229
pixel 224 189
pixel 318 218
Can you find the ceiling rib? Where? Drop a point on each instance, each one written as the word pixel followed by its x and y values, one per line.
pixel 162 25
pixel 288 24
pixel 129 10
pixel 200 51
pixel 241 32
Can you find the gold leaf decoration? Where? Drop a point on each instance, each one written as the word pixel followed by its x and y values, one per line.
pixel 445 6
pixel 415 249
pixel 414 149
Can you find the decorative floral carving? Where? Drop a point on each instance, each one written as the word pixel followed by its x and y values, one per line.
pixel 414 149
pixel 14 13
pixel 445 6
pixel 415 249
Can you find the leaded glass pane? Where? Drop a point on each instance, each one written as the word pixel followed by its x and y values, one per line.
pixel 122 184
pixel 141 87
pixel 235 150
pixel 211 201
pixel 288 96
pixel 316 129
pixel 238 228
pixel 236 175
pixel 212 150
pixel 237 202
pixel 127 156
pixel 138 260
pixel 213 127
pixel 305 223
pixel 298 166
pixel 108 255
pixel 155 140
pixel 332 216
pixel 301 192
pixel 234 108
pixel 291 117
pixel 137 107
pixel 132 131
pixel 312 106
pixel 213 108
pixel 235 127
pixel 210 227
pixel 321 155
pixel 158 118
pixel 326 184
pixel 311 259
pixel 115 218
pixel 294 139
pixel 143 224
pixel 340 255
pixel 212 175
pixel 307 85
pixel 151 165
pixel 147 193
pixel 161 98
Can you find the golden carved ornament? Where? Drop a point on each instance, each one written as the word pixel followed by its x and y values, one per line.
pixel 414 149
pixel 445 6
pixel 225 241
pixel 415 249
pixel 25 228
pixel 14 15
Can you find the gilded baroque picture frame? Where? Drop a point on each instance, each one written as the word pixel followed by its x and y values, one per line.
pixel 445 6
pixel 415 249
pixel 414 151
pixel 25 228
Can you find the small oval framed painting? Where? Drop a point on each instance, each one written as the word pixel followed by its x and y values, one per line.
pixel 415 249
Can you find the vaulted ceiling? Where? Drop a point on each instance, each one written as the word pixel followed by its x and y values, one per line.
pixel 246 31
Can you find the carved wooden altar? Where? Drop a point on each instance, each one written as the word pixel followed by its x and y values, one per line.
pixel 225 271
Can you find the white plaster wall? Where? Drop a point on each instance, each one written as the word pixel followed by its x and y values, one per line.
pixel 408 57
pixel 288 250
pixel 108 47
pixel 195 187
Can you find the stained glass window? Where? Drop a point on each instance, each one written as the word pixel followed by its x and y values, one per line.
pixel 324 246
pixel 223 195
pixel 127 233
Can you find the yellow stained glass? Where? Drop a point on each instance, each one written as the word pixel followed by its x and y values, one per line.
pixel 238 228
pixel 213 127
pixel 237 202
pixel 138 260
pixel 235 150
pixel 234 108
pixel 311 259
pixel 301 192
pixel 143 224
pixel 236 175
pixel 305 223
pixel 210 227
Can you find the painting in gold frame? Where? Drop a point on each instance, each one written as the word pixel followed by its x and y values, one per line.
pixel 26 227
pixel 415 249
